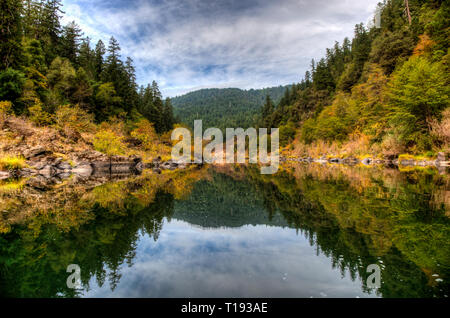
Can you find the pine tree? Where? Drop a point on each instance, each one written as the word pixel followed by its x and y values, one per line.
pixel 267 112
pixel 168 117
pixel 70 42
pixel 10 33
pixel 99 53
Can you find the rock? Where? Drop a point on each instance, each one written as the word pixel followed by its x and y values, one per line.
pixel 57 161
pixel 28 154
pixel 38 165
pixel 139 166
pixel 366 161
pixel 64 175
pixel 64 166
pixel 26 172
pixel 5 175
pixel 48 171
pixel 84 170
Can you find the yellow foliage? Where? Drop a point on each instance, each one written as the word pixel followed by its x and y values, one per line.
pixel 146 134
pixel 74 118
pixel 108 142
pixel 38 115
pixel 12 163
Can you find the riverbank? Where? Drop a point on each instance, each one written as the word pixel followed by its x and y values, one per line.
pixel 441 162
pixel 47 153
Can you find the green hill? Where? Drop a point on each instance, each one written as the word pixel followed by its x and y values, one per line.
pixel 222 108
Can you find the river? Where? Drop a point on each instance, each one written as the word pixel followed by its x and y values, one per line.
pixel 228 231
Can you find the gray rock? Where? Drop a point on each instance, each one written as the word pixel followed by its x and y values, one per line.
pixel 84 170
pixel 64 175
pixel 64 166
pixel 38 165
pixel 48 171
pixel 366 161
pixel 28 154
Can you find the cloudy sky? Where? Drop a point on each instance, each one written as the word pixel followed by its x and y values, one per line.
pixel 190 44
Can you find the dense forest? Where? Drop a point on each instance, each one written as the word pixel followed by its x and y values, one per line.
pixel 222 108
pixel 49 71
pixel 385 92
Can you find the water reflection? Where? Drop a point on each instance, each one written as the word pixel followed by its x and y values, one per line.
pixel 231 232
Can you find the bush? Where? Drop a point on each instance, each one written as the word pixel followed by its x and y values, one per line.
pixel 72 120
pixel 109 143
pixel 38 116
pixel 145 132
pixel 11 86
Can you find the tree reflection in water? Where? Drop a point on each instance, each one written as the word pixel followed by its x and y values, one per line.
pixel 354 216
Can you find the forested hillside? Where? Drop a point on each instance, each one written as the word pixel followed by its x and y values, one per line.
pixel 385 92
pixel 222 108
pixel 52 76
pixel 45 65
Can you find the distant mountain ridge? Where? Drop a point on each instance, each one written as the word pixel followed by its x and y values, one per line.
pixel 224 107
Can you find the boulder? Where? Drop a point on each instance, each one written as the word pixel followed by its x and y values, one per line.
pixel 64 166
pixel 84 170
pixel 48 171
pixel 38 165
pixel 34 152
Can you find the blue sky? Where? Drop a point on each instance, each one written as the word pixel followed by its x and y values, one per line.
pixel 193 44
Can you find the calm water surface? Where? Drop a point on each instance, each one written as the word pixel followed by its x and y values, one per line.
pixel 230 232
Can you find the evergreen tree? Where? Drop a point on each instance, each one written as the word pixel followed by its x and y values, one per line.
pixel 10 33
pixel 267 112
pixel 70 42
pixel 99 53
pixel 167 115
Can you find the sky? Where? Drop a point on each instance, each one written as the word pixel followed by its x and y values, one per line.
pixel 186 45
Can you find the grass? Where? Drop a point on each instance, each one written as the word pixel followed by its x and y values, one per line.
pixel 9 162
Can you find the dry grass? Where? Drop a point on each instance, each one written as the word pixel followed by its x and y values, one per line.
pixel 358 145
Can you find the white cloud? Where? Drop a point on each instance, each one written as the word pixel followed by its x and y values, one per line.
pixel 189 45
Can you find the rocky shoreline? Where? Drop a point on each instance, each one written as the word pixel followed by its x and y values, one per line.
pixel 440 162
pixel 43 164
